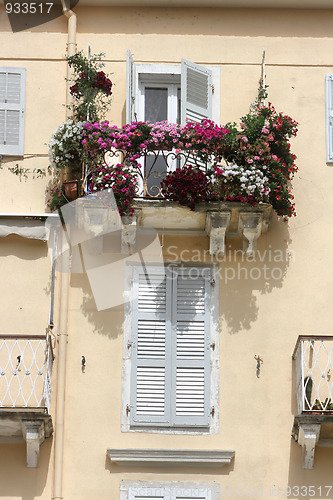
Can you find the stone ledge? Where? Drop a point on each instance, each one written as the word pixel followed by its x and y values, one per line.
pixel 311 430
pixel 167 457
pixel 29 426
pixel 217 220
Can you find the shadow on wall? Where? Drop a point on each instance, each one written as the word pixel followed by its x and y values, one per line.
pixel 309 483
pixel 107 322
pixel 23 248
pixel 19 481
pixel 242 278
pixel 211 21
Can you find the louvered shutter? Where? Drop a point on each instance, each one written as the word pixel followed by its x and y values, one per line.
pixel 191 349
pixel 196 92
pixel 12 104
pixel 150 369
pixel 129 87
pixel 329 118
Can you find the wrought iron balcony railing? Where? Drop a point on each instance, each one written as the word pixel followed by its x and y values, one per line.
pixel 153 166
pixel 314 374
pixel 25 371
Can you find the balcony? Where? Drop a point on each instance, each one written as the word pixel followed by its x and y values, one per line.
pixel 217 210
pixel 313 425
pixel 25 388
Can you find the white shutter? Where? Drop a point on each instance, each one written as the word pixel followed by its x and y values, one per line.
pixel 191 351
pixel 196 92
pixel 170 371
pixel 129 87
pixel 12 104
pixel 329 118
pixel 150 377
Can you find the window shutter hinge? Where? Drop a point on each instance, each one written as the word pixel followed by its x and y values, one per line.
pixel 212 411
pixel 212 281
pixel 212 346
pixel 213 88
pixel 128 409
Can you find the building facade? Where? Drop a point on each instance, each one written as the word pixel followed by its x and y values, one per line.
pixel 179 354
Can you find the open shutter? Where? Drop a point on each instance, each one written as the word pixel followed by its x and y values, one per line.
pixel 12 104
pixel 196 92
pixel 329 118
pixel 129 87
pixel 150 377
pixel 190 374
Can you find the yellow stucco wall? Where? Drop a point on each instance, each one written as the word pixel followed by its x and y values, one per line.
pixel 257 316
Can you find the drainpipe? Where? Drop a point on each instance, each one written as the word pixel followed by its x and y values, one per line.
pixel 65 263
pixel 63 309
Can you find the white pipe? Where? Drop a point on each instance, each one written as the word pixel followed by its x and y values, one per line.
pixel 61 369
pixel 63 309
pixel 54 256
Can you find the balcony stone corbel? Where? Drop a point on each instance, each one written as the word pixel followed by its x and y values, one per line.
pixel 308 436
pixel 217 224
pixel 96 219
pixel 33 434
pixel 250 228
pixel 128 234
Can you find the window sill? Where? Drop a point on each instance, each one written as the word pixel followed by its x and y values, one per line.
pixel 173 458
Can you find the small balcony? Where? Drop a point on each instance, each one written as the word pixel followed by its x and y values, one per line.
pixel 25 388
pixel 313 425
pixel 214 208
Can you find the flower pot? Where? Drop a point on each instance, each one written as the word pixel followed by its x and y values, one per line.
pixel 71 189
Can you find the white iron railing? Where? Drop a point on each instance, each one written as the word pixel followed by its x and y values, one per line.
pixel 314 373
pixel 25 371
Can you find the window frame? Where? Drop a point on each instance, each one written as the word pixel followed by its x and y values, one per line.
pixel 172 98
pixel 160 73
pixel 213 397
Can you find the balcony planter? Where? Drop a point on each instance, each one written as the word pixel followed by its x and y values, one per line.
pixel 71 189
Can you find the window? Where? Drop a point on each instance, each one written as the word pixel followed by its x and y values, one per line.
pixel 173 344
pixel 176 93
pixel 142 490
pixel 171 92
pixel 12 103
